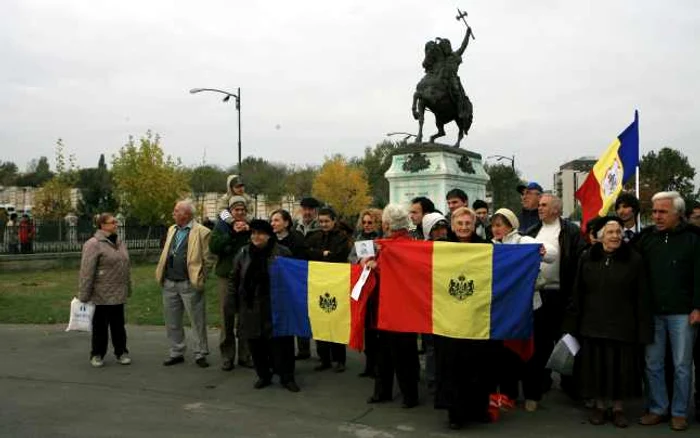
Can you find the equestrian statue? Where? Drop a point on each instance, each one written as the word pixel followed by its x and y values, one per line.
pixel 440 90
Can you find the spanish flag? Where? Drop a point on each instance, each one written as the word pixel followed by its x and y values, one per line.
pixel 312 299
pixel 458 290
pixel 612 170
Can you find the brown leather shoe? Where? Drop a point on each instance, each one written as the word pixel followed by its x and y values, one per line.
pixel 650 419
pixel 619 419
pixel 679 424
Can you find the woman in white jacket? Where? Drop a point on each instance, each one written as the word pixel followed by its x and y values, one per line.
pixel 504 226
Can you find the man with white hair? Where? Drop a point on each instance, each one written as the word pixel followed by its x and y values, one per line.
pixel 182 271
pixel 555 293
pixel 671 251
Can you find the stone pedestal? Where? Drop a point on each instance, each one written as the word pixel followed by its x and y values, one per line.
pixel 431 170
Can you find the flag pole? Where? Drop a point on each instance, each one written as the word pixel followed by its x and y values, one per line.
pixel 636 178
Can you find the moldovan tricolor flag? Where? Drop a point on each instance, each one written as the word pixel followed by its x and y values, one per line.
pixel 614 168
pixel 459 290
pixel 312 300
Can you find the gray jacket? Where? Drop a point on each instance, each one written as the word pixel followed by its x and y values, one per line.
pixel 105 274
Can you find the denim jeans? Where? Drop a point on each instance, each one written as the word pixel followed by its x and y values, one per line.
pixel 682 336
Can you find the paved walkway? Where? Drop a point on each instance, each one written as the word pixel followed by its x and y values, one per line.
pixel 48 389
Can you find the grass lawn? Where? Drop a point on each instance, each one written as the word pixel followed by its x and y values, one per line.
pixel 44 297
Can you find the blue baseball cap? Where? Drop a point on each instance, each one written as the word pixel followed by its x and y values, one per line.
pixel 531 186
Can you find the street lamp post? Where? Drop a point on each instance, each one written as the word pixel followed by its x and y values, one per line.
pixel 503 157
pixel 228 96
pixel 406 135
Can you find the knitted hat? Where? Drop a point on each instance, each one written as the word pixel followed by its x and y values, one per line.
pixel 236 200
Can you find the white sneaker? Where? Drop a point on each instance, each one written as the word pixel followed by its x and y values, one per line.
pixel 96 361
pixel 124 359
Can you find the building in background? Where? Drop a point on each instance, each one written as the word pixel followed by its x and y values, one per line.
pixel 568 179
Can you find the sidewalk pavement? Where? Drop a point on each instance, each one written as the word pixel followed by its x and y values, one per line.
pixel 49 389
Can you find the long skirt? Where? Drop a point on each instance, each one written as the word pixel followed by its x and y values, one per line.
pixel 609 370
pixel 465 378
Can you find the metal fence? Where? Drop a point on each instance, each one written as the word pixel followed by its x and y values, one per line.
pixel 63 237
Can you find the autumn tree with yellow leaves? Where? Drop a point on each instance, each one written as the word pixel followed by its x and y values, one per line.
pixel 343 186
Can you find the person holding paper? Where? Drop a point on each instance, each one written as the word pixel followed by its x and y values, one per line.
pixel 397 353
pixel 105 279
pixel 369 224
pixel 610 315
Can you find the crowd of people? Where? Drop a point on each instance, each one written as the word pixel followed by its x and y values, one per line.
pixel 630 296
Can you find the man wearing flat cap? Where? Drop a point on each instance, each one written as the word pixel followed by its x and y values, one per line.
pixel 307 225
pixel 228 237
pixel 309 216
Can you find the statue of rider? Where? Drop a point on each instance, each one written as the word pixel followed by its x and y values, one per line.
pixel 444 63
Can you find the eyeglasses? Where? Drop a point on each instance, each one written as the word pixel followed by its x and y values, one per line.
pixel 367 222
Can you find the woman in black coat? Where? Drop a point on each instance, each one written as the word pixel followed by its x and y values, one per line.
pixel 464 376
pixel 329 245
pixel 251 289
pixel 611 317
pixel 282 225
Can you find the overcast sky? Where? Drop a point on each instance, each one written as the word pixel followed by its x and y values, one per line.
pixel 550 80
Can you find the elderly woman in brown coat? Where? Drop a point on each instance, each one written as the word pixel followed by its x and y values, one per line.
pixel 105 279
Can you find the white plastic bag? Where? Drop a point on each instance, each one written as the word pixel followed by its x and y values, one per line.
pixel 80 316
pixel 563 356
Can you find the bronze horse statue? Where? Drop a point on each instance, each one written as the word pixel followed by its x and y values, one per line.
pixel 441 91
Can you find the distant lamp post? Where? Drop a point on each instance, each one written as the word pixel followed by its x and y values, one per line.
pixel 228 95
pixel 406 135
pixel 503 157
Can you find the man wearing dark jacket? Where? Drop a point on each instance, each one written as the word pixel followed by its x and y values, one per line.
pixel 552 299
pixel 226 240
pixel 671 251
pixel 529 197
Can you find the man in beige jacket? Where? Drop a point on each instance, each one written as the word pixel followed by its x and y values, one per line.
pixel 182 271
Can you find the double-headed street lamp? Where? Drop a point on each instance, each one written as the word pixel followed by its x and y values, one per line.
pixel 228 95
pixel 503 157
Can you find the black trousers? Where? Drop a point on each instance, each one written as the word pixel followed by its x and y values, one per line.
pixel 330 352
pixel 509 370
pixel 546 332
pixel 397 354
pixel 304 346
pixel 371 350
pixel 108 317
pixel 466 377
pixel 696 359
pixel 273 356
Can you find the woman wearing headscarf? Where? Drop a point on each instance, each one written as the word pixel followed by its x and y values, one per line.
pixel 329 245
pixel 504 227
pixel 251 288
pixel 105 279
pixel 610 316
